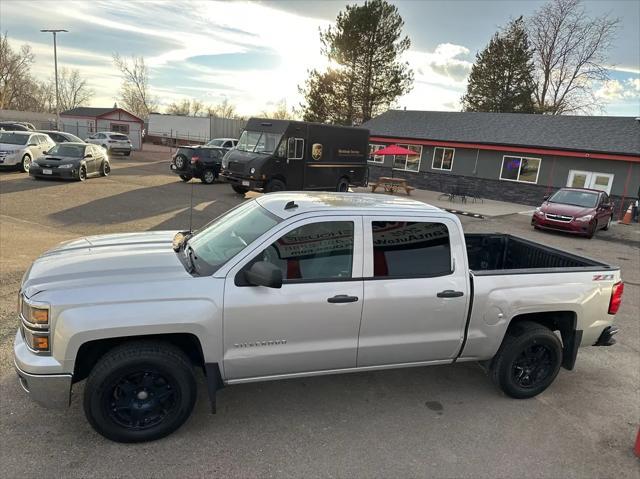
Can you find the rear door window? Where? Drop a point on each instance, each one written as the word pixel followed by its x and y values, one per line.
pixel 403 249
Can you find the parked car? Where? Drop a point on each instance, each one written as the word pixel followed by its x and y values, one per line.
pixel 61 136
pixel 289 285
pixel 112 142
pixel 575 210
pixel 73 161
pixel 226 143
pixel 197 162
pixel 16 126
pixel 19 148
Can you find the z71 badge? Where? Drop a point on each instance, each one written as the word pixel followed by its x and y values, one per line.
pixel 603 277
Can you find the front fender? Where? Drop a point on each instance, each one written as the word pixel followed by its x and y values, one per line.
pixel 81 324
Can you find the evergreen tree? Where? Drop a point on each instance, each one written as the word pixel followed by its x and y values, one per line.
pixel 501 78
pixel 365 44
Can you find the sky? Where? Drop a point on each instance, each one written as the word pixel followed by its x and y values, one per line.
pixel 256 54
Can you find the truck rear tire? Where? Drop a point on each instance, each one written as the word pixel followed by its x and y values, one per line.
pixel 528 360
pixel 343 185
pixel 275 185
pixel 241 190
pixel 140 391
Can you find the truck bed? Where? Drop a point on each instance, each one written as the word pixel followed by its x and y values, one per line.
pixel 506 254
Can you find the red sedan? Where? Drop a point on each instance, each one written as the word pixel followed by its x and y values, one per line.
pixel 575 210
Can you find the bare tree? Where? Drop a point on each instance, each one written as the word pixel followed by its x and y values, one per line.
pixel 73 89
pixel 180 108
pixel 15 73
pixel 224 109
pixel 570 55
pixel 135 95
pixel 280 112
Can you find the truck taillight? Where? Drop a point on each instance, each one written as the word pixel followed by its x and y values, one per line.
pixel 195 159
pixel 616 297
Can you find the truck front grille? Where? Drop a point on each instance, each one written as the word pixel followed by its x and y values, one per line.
pixel 564 219
pixel 236 167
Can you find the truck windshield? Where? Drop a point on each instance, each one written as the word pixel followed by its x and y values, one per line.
pixel 227 235
pixel 258 141
pixel 575 198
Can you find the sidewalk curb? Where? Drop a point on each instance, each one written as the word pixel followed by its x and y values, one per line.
pixel 464 213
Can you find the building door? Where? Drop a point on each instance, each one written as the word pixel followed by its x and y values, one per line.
pixel 590 179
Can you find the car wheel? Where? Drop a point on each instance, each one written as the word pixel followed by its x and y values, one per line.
pixel 185 178
pixel 609 220
pixel 140 391
pixel 181 162
pixel 82 174
pixel 25 164
pixel 241 190
pixel 208 177
pixel 343 185
pixel 275 185
pixel 105 168
pixel 528 360
pixel 593 225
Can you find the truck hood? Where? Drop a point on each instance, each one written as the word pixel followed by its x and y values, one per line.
pixel 105 259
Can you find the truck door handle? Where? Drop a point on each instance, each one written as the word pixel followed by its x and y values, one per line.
pixel 449 293
pixel 342 298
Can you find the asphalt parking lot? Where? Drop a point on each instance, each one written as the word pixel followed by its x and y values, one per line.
pixel 445 421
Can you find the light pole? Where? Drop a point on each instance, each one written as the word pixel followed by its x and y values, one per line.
pixel 55 62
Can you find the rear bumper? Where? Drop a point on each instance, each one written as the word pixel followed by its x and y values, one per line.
pixel 194 171
pixel 606 338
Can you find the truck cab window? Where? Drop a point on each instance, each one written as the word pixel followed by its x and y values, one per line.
pixel 313 252
pixel 410 249
pixel 296 149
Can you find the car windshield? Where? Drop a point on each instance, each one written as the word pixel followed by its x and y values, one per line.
pixel 258 141
pixel 62 149
pixel 575 198
pixel 227 235
pixel 13 139
pixel 215 143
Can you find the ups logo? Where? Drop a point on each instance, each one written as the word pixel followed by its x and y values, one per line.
pixel 316 151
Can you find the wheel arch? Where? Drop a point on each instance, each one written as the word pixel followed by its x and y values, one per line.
pixel 562 321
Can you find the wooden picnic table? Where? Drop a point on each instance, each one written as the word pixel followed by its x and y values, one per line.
pixel 391 185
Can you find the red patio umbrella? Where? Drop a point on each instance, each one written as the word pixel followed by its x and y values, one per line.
pixel 394 150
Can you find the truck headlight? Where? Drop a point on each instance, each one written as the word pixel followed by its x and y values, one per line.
pixel 252 171
pixel 68 165
pixel 34 314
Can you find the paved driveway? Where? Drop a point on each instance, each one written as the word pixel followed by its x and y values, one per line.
pixel 446 421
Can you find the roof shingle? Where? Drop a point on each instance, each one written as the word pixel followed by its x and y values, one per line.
pixel 87 111
pixel 602 134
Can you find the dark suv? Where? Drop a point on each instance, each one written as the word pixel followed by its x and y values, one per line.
pixel 197 162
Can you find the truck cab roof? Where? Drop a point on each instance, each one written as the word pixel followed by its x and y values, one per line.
pixel 285 205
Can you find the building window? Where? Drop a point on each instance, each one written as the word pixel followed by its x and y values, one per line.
pixel 410 249
pixel 443 158
pixel 119 128
pixel 516 168
pixel 373 158
pixel 408 162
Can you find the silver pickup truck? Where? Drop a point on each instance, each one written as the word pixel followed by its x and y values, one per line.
pixel 295 284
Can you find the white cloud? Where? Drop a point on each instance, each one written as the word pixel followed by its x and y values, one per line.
pixel 442 66
pixel 616 90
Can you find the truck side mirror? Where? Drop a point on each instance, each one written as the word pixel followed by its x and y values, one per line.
pixel 265 274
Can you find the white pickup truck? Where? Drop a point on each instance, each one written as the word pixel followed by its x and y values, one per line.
pixel 296 284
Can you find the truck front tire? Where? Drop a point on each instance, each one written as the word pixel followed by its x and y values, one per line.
pixel 275 185
pixel 241 190
pixel 140 391
pixel 528 360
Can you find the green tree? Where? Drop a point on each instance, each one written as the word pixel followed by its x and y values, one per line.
pixel 365 45
pixel 501 78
